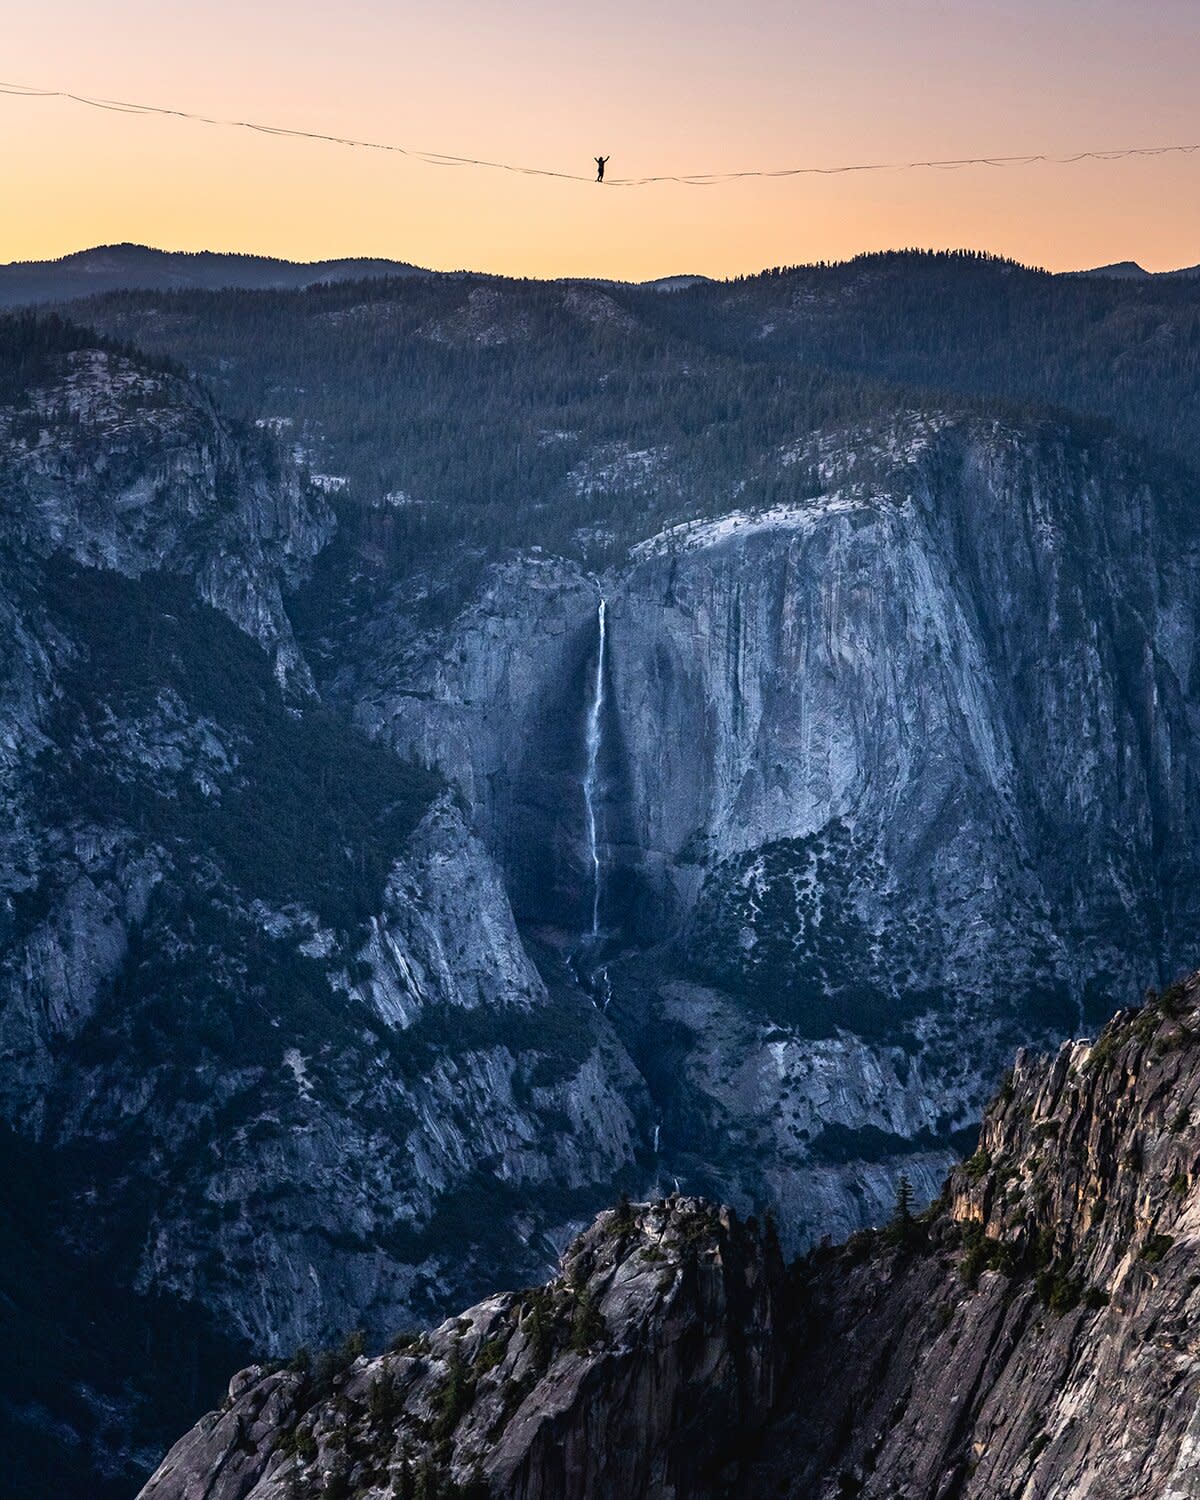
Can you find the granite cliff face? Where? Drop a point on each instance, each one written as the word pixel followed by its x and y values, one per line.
pixel 1030 1336
pixel 892 778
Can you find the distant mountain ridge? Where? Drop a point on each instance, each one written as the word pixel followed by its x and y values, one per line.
pixel 113 268
pixel 128 267
pixel 132 267
pixel 1129 270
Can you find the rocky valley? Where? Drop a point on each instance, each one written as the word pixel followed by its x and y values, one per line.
pixel 471 749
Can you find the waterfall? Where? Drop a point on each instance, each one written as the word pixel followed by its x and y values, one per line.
pixel 594 731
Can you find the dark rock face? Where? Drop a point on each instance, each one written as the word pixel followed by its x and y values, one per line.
pixel 265 1014
pixel 1030 1335
pixel 643 1369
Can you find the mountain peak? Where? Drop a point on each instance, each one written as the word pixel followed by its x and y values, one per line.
pixel 1120 270
pixel 129 267
pixel 1129 270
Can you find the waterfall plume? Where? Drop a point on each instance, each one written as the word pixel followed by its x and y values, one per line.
pixel 594 731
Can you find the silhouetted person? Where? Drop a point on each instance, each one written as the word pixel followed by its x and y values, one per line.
pixel 600 160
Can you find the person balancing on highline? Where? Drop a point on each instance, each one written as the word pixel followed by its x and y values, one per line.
pixel 600 160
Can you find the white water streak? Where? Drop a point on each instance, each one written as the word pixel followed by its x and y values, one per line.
pixel 594 729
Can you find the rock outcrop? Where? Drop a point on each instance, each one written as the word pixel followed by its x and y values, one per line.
pixel 642 1369
pixel 1036 1338
pixel 1032 1335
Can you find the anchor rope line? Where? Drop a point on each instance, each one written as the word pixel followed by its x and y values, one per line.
pixel 687 179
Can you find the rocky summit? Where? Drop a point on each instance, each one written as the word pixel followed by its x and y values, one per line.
pixel 1032 1334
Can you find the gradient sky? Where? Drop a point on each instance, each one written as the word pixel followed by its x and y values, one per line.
pixel 661 85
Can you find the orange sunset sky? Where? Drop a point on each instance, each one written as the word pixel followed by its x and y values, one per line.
pixel 660 85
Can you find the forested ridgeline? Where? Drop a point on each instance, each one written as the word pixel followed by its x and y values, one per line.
pixel 581 417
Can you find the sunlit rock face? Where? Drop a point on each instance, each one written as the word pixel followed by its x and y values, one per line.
pixel 920 730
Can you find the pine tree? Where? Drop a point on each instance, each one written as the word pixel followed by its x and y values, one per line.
pixel 382 1402
pixel 337 1481
pixel 427 1485
pixel 455 1396
pixel 587 1326
pixel 903 1227
pixel 771 1232
pixel 622 1222
pixel 538 1330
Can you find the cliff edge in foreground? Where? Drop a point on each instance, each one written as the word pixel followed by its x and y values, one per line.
pixel 1033 1335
